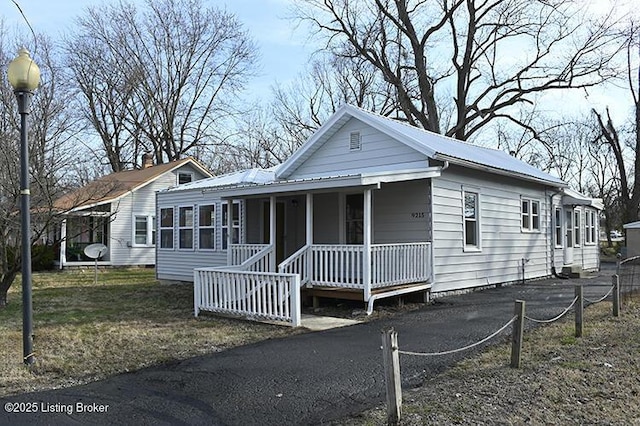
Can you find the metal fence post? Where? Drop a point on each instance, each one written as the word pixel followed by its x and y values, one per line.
pixel 517 334
pixel 391 359
pixel 579 309
pixel 616 295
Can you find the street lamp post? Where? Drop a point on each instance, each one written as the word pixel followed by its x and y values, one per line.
pixel 24 77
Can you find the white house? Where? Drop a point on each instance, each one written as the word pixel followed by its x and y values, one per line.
pixel 118 210
pixel 368 208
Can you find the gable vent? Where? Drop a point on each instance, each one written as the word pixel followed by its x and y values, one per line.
pixel 355 142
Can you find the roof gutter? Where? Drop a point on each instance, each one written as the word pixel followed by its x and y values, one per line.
pixel 495 170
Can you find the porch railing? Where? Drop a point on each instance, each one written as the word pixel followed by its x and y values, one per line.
pixel 241 252
pixel 397 264
pixel 261 261
pixel 253 295
pixel 297 263
pixel 342 265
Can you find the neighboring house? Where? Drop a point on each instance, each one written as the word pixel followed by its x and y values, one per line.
pixel 632 237
pixel 368 208
pixel 118 210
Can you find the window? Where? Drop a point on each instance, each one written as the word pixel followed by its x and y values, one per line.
pixel 576 229
pixel 235 224
pixel 185 227
pixel 590 227
pixel 144 230
pixel 530 215
pixel 206 227
pixel 185 177
pixel 166 228
pixel 558 227
pixel 355 143
pixel 354 218
pixel 471 221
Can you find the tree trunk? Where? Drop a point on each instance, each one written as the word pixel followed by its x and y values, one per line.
pixel 5 285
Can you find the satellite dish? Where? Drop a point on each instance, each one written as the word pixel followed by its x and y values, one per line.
pixel 95 251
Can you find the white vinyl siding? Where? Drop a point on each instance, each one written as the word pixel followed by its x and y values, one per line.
pixel 179 265
pixel 378 152
pixel 401 212
pixel 503 243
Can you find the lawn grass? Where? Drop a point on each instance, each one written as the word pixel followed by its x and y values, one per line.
pixel 128 321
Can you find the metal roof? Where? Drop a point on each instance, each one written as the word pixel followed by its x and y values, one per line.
pixel 433 145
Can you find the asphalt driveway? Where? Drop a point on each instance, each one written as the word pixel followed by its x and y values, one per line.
pixel 305 379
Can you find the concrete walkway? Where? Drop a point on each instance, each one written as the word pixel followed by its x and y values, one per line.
pixel 311 378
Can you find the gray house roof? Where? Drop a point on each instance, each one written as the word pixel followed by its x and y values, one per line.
pixel 435 146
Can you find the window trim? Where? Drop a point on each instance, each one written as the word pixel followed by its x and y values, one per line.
pixel 478 220
pixel 167 228
pixel 191 174
pixel 577 227
pixel 213 226
pixel 223 224
pixel 557 226
pixel 529 202
pixel 180 228
pixel 590 231
pixel 150 230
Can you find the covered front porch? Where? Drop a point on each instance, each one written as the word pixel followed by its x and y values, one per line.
pixel 80 229
pixel 361 242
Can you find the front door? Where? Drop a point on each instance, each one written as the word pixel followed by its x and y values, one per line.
pixel 354 218
pixel 568 240
pixel 279 228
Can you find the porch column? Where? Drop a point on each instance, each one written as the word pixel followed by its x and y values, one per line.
pixel 63 243
pixel 229 231
pixel 272 233
pixel 309 231
pixel 366 270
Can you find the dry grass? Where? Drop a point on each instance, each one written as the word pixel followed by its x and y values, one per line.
pixel 128 321
pixel 563 380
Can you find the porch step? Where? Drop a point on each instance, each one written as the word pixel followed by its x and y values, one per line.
pixel 574 271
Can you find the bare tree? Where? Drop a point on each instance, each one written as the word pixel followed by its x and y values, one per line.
pixel 159 78
pixel 50 129
pixel 492 55
pixel 624 143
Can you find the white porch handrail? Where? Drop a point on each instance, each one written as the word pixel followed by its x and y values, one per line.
pixel 337 265
pixel 254 295
pixel 297 263
pixel 402 263
pixel 241 252
pixel 259 262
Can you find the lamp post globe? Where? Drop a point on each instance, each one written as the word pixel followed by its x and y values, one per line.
pixel 24 76
pixel 23 73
